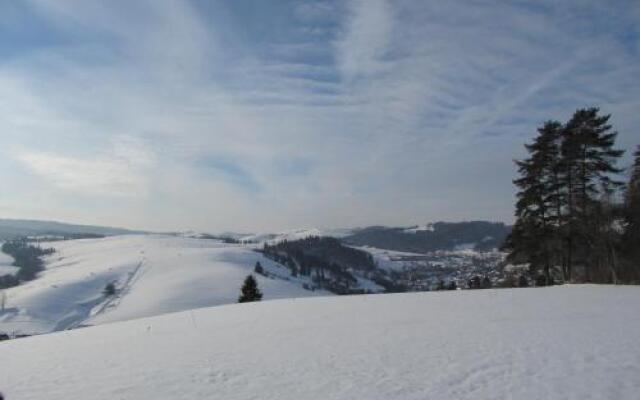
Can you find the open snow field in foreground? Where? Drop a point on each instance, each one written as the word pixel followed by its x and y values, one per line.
pixel 570 342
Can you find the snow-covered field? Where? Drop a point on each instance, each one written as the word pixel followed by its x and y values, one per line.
pixel 154 274
pixel 387 259
pixel 571 342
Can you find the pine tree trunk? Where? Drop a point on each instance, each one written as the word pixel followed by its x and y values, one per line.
pixel 584 225
pixel 569 257
pixel 613 264
pixel 556 183
pixel 546 248
pixel 570 224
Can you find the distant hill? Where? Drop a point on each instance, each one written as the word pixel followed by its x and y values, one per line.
pixel 475 235
pixel 11 228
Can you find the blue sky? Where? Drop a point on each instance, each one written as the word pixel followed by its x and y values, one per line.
pixel 267 115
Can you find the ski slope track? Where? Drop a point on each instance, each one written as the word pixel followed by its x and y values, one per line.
pixel 571 342
pixel 153 274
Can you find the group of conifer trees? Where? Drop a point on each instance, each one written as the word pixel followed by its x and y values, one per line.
pixel 576 220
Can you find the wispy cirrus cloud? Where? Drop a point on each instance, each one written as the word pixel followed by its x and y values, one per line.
pixel 121 171
pixel 247 115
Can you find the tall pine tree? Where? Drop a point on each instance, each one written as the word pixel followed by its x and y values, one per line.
pixel 538 209
pixel 588 164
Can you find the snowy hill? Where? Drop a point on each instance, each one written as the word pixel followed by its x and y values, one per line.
pixel 293 234
pixel 10 228
pixel 571 342
pixel 153 274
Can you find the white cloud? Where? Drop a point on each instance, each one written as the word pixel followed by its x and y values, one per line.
pixel 366 40
pixel 405 111
pixel 122 172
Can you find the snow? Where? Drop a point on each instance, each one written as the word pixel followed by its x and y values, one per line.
pixel 464 247
pixel 294 234
pixel 387 259
pixel 154 274
pixel 571 342
pixel 6 267
pixel 420 228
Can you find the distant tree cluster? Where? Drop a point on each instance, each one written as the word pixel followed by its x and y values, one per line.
pixel 479 283
pixel 27 257
pixel 222 238
pixel 576 221
pixel 452 285
pixel 441 236
pixel 325 259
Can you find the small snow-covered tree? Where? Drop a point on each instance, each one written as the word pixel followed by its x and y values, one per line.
pixel 258 268
pixel 250 291
pixel 109 289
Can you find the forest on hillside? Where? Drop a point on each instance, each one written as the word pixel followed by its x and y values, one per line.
pixel 331 265
pixel 481 235
pixel 27 257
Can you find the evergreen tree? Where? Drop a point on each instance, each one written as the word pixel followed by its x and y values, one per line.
pixel 541 280
pixel 631 236
pixel 486 283
pixel 522 281
pixel 474 283
pixel 539 205
pixel 250 291
pixel 589 162
pixel 109 289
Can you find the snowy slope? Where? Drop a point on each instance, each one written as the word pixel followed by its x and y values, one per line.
pixel 547 343
pixel 387 259
pixel 11 228
pixel 154 274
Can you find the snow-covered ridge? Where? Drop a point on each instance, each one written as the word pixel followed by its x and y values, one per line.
pixel 420 228
pixel 293 234
pixel 570 342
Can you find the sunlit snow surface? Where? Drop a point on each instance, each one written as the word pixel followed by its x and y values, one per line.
pixel 154 274
pixel 572 342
